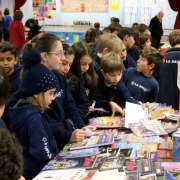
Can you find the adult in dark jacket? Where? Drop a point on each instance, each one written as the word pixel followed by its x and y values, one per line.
pixel 156 29
pixel 33 26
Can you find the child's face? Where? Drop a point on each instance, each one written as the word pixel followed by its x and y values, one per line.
pixel 66 64
pixel 142 65
pixel 123 52
pixel 130 42
pixel 147 43
pixel 146 31
pixel 7 61
pixel 85 61
pixel 112 78
pixel 55 57
pixel 47 97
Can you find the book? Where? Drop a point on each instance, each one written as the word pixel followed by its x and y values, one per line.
pixel 107 122
pixel 89 174
pixel 113 152
pixel 153 156
pixel 131 166
pixel 145 166
pixel 157 168
pixel 66 163
pixel 148 148
pixel 77 153
pixel 119 144
pixel 164 154
pixel 98 162
pixel 165 145
pixel 94 141
pixel 127 153
pixel 113 163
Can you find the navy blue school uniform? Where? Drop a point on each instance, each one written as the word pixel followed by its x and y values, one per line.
pixel 32 129
pixel 141 88
pixel 96 62
pixel 94 49
pixel 118 93
pixel 2 124
pixel 80 97
pixel 15 79
pixel 167 78
pixel 134 53
pixel 129 62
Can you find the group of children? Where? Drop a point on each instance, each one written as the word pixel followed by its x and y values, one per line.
pixel 59 87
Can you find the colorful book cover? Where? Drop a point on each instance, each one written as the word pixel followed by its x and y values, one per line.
pixel 166 145
pixel 135 146
pixel 98 162
pixel 170 166
pixel 145 166
pixel 171 175
pixel 107 122
pixel 153 156
pixel 131 166
pixel 77 153
pixel 113 163
pixel 81 162
pixel 89 174
pixel 113 152
pixel 164 154
pixel 119 144
pixel 157 168
pixel 127 153
pixel 149 148
pixel 94 141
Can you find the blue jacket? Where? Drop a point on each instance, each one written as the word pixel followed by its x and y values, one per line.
pixel 141 88
pixel 97 63
pixel 133 52
pixel 15 79
pixel 119 93
pixel 6 21
pixel 80 97
pixel 129 62
pixel 33 131
pixel 94 49
pixel 167 78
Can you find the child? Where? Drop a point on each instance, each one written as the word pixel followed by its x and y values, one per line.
pixel 82 67
pixel 75 86
pixel 27 117
pixel 4 95
pixel 8 60
pixel 134 26
pixel 66 123
pixel 127 37
pixel 140 82
pixel 110 84
pixel 11 156
pixel 168 77
pixel 113 28
pixel 144 40
pixel 106 43
pixel 143 29
pixel 97 25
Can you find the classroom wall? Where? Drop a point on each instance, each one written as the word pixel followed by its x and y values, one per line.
pixel 7 4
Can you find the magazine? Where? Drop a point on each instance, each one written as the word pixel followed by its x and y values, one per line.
pixel 147 128
pixel 94 141
pixel 107 122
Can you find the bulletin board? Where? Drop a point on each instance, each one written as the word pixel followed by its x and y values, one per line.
pixel 44 9
pixel 88 6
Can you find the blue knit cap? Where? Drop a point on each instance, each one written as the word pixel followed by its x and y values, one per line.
pixel 36 77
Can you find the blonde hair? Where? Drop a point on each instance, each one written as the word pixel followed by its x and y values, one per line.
pixel 174 37
pixel 1 16
pixel 35 102
pixel 111 62
pixel 110 41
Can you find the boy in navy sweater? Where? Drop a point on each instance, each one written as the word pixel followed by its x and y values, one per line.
pixel 106 43
pixel 168 73
pixel 139 81
pixel 110 84
pixel 8 60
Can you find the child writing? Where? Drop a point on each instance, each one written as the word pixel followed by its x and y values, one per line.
pixel 110 84
pixel 75 86
pixel 31 127
pixel 139 81
pixel 82 67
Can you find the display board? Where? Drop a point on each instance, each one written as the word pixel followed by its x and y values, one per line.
pixel 88 6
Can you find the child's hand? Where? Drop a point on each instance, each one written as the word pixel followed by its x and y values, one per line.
pixel 92 128
pixel 145 105
pixel 91 109
pixel 116 108
pixel 77 135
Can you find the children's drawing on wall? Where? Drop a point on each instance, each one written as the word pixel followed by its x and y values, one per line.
pixel 90 6
pixel 44 9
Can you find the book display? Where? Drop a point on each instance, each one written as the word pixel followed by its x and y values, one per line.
pixel 135 147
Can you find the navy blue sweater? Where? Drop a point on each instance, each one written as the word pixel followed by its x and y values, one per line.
pixel 134 53
pixel 119 93
pixel 141 88
pixel 33 131
pixel 81 99
pixel 167 78
pixel 129 61
pixel 15 79
pixel 97 63
pixel 94 49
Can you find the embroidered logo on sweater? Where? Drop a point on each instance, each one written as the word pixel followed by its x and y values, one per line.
pixel 58 94
pixel 44 139
pixel 140 86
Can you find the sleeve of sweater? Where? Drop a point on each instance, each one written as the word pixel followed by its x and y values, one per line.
pixel 21 33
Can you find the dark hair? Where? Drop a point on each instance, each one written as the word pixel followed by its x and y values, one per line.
pixel 4 87
pixel 90 35
pixel 68 49
pixel 153 56
pixel 116 20
pixel 125 31
pixel 10 156
pixel 143 38
pixel 97 25
pixel 7 46
pixel 18 15
pixel 112 18
pixel 82 49
pixel 6 11
pixel 142 28
pixel 135 24
pixel 43 42
pixel 31 20
pixel 113 27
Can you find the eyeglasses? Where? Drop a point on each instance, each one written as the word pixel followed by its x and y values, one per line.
pixel 59 53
